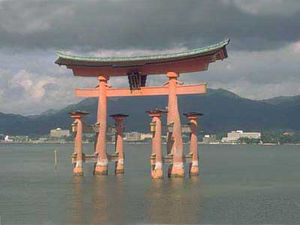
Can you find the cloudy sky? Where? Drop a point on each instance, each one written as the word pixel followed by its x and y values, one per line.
pixel 264 52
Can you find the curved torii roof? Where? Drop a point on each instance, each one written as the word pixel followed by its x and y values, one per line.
pixel 188 61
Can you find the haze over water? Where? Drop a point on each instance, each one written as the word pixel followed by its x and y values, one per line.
pixel 238 184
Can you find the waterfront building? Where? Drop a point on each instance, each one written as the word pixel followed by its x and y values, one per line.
pixel 146 136
pixel 8 139
pixel 132 136
pixel 234 136
pixel 59 133
pixel 209 138
pixel 21 139
pixel 289 133
pixel 136 136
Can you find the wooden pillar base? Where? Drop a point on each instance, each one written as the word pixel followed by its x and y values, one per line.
pixel 101 170
pixel 157 174
pixel 194 168
pixel 78 171
pixel 157 171
pixel 176 171
pixel 119 168
pixel 194 171
pixel 119 171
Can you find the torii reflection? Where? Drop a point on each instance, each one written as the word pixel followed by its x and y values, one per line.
pixel 77 216
pixel 98 202
pixel 128 200
pixel 172 201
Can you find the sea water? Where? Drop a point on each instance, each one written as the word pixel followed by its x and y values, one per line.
pixel 238 184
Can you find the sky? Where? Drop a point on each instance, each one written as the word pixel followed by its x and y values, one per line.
pixel 264 51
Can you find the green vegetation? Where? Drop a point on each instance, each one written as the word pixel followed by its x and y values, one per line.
pixel 246 140
pixel 280 137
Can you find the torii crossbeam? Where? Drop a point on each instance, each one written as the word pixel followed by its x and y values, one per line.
pixel 144 91
pixel 136 69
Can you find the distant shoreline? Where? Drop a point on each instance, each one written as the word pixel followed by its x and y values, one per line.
pixel 138 143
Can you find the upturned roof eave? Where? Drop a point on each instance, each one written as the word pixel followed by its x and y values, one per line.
pixel 66 59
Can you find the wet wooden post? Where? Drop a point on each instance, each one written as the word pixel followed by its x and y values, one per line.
pixel 192 117
pixel 119 168
pixel 156 129
pixel 101 165
pixel 174 144
pixel 77 128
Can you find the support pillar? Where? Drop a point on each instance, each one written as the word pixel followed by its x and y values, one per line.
pixel 102 162
pixel 77 128
pixel 174 144
pixel 192 117
pixel 119 168
pixel 156 128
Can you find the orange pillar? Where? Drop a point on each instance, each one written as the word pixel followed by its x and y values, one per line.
pixel 192 117
pixel 157 171
pixel 175 138
pixel 119 169
pixel 101 165
pixel 78 170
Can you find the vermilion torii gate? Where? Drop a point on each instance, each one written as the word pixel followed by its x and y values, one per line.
pixel 137 69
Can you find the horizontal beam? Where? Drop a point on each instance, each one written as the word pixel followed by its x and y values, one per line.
pixel 144 91
pixel 186 66
pixel 93 158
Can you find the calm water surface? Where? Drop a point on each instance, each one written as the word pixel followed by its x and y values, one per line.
pixel 237 185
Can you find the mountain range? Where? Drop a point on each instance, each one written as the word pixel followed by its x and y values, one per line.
pixel 223 111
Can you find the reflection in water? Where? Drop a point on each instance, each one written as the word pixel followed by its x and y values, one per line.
pixel 102 200
pixel 98 202
pixel 77 203
pixel 117 203
pixel 107 200
pixel 235 187
pixel 170 201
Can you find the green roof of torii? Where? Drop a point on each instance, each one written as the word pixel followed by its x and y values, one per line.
pixel 65 59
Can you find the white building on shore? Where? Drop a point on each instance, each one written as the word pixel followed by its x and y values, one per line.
pixel 210 139
pixel 59 133
pixel 8 139
pixel 234 136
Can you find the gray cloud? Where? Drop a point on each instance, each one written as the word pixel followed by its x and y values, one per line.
pixel 263 54
pixel 37 85
pixel 148 24
pixel 265 7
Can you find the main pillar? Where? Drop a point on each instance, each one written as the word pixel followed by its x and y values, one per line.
pixel 119 169
pixel 175 144
pixel 156 128
pixel 192 117
pixel 101 165
pixel 77 128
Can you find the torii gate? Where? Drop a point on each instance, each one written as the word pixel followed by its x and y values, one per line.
pixel 136 69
